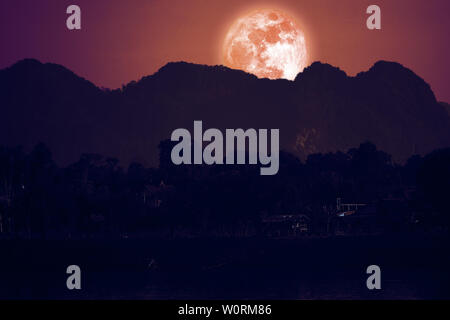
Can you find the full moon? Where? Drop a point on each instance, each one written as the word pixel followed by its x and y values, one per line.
pixel 266 43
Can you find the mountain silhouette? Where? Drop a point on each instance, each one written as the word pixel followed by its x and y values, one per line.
pixel 322 110
pixel 446 106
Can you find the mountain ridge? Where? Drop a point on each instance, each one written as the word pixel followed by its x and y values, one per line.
pixel 322 110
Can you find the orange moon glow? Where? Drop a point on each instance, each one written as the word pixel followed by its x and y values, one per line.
pixel 267 43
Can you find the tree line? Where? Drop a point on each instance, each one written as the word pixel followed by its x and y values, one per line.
pixel 95 196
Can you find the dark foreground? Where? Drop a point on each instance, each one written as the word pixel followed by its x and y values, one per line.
pixel 412 267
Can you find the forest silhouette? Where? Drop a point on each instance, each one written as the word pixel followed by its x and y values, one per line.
pixel 96 197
